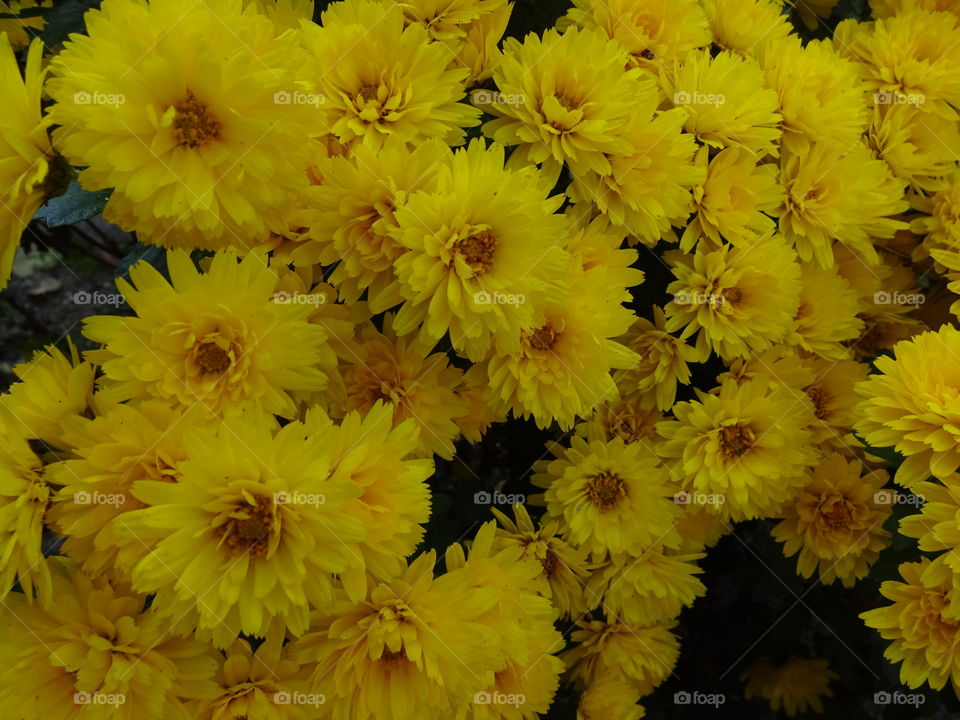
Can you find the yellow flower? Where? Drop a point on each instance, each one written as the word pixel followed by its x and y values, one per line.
pixel 16 28
pixel 24 146
pixel 798 685
pixel 941 223
pixel 479 51
pixel 219 338
pixel 744 26
pixel 739 299
pixel 597 243
pixel 610 697
pixel 889 8
pixel 195 159
pixel 910 405
pixel 747 446
pixel 836 195
pixel 834 524
pixel 911 57
pixel 936 526
pixel 99 648
pixel 608 497
pixel 481 249
pixel 557 115
pixel 726 101
pixel 827 315
pixel 920 147
pixel 285 13
pixel 731 201
pixel 924 630
pixel 632 417
pixel 378 77
pixel 821 95
pixel 834 398
pixel 811 11
pixel 654 33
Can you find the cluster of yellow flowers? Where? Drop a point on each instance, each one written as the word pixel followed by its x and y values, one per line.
pixel 412 228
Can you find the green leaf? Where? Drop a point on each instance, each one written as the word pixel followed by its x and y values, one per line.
pixel 64 18
pixel 151 254
pixel 74 205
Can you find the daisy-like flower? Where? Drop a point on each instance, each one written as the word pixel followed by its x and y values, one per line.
pixel 97 648
pixel 834 524
pixel 845 196
pixel 699 526
pixel 250 504
pixel 195 159
pixel 654 33
pixel 561 369
pixel 597 243
pixel 447 20
pixel 920 147
pixel 747 445
pixel 834 398
pixel 220 338
pixel 798 686
pixel 820 94
pixel 731 201
pixel 24 146
pixel 481 250
pixel 632 417
pixel 418 384
pixel 351 216
pixel 663 360
pixel 479 52
pixel 739 299
pixel 414 646
pixel 610 697
pixel 745 26
pixel 563 568
pixel 910 405
pixel 648 589
pixel 826 317
pixel 937 525
pixel 52 390
pixel 924 629
pixel 403 85
pixel 940 223
pixel 641 655
pixel 726 101
pixel 608 497
pixel 556 116
pixel 910 57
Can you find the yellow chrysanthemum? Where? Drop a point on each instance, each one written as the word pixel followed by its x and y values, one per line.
pixel 632 417
pixel 911 405
pixel 937 525
pixel 739 299
pixel 418 384
pixel 726 100
pixel 16 29
pixel 608 698
pixel 380 77
pixel 834 524
pixel 924 629
pixel 747 446
pixel 831 390
pixel 608 497
pixel 940 223
pixel 821 95
pixel 99 653
pixel 220 338
pixel 250 505
pixel 730 203
pixel 195 159
pixel 597 243
pixel 845 196
pixel 744 26
pixel 481 250
pixel 25 148
pixel 826 317
pixel 654 33
pixel 889 8
pixel 479 51
pixel 798 685
pixel 556 116
pixel 447 20
pixel 285 13
pixel 910 57
pixel 700 527
pixel 920 147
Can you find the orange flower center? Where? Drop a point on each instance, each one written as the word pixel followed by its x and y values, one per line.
pixel 249 529
pixel 477 251
pixel 735 440
pixel 194 126
pixel 819 402
pixel 606 490
pixel 212 359
pixel 543 338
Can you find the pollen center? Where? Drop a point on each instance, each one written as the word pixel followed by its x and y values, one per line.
pixel 476 251
pixel 735 440
pixel 606 490
pixel 733 295
pixel 194 126
pixel 249 529
pixel 212 359
pixel 542 338
pixel 819 402
pixel 837 516
pixel 369 92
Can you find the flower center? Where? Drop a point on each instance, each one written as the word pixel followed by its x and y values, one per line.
pixel 566 103
pixel 606 490
pixel 836 515
pixel 249 528
pixel 194 125
pixel 735 440
pixel 733 295
pixel 393 658
pixel 819 402
pixel 369 93
pixel 542 338
pixel 476 251
pixel 212 359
